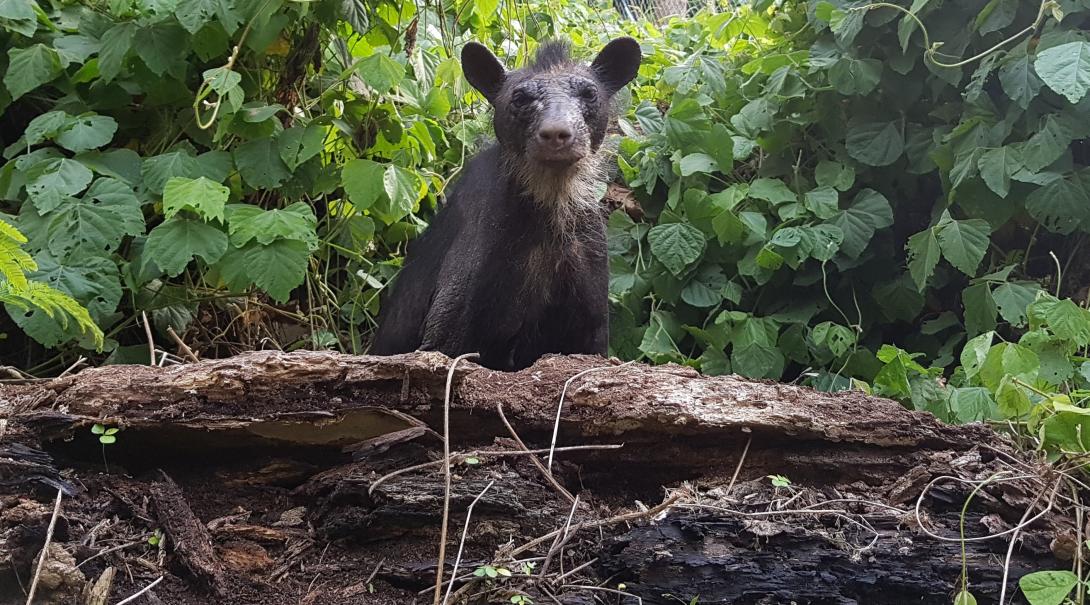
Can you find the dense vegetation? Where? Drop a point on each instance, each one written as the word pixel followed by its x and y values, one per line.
pixel 846 194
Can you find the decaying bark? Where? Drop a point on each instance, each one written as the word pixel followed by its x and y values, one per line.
pixel 315 477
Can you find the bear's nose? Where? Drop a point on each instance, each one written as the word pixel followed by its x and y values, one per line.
pixel 555 135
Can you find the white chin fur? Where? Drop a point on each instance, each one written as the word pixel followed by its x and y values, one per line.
pixel 570 194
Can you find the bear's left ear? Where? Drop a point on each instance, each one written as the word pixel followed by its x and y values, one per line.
pixel 617 64
pixel 483 70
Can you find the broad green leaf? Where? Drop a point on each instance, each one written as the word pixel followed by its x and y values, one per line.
pixel 30 67
pixel 757 360
pixel 278 267
pixel 996 167
pixel 53 181
pixel 298 144
pixel 363 182
pixel 686 124
pixel 729 229
pixel 17 10
pixel 1012 299
pixel 116 44
pixel 676 245
pixel 1066 69
pixel 1067 320
pixel 1018 77
pixel 95 224
pixel 193 14
pixel 162 47
pixel 837 338
pixel 823 202
pixel 773 191
pixel 868 212
pixel 119 163
pixel 705 289
pixel 975 353
pixel 403 191
pixel 1012 399
pixel 1047 144
pixel 698 163
pixel 380 72
pixel 76 48
pixel 1060 206
pixel 996 15
pixel 45 127
pixel 963 243
pixel 972 404
pixel 157 170
pixel 875 143
pixel 979 309
pixel 91 280
pixel 1047 587
pixel 296 222
pixel 661 336
pixel 923 256
pixel 834 174
pixel 179 240
pixel 222 80
pixel 852 76
pixel 965 598
pixel 259 163
pixel 86 132
pixel 205 197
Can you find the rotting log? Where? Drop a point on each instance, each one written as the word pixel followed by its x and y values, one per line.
pixel 294 463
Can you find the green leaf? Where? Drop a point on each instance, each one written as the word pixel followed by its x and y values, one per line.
pixel 296 222
pixel 834 174
pixel 972 404
pixel 996 167
pixel 979 309
pixel 380 72
pixel 1012 299
pixel 965 598
pixel 1012 400
pixel 823 202
pixel 278 267
pixel 179 239
pixel 1060 206
pixel 363 182
pixel 193 14
pixel 298 144
pixel 923 257
pixel 698 163
pixel 163 47
pixel 87 132
pixel 758 360
pixel 705 289
pixel 90 280
pixel 75 48
pixel 852 76
pixel 116 43
pixel 45 127
pixel 95 224
pixel 868 212
pixel 729 229
pixel 201 195
pixel 1047 144
pixel 676 245
pixel 773 191
pixel 30 67
pixel 963 243
pixel 1066 69
pixel 996 15
pixel 1067 320
pixel 17 10
pixel 975 353
pixel 875 143
pixel 1018 77
pixel 53 181
pixel 157 170
pixel 403 191
pixel 1047 587
pixel 259 163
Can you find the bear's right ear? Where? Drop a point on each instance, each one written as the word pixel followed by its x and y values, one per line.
pixel 483 70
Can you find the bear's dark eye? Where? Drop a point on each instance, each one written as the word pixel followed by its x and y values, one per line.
pixel 521 98
pixel 588 93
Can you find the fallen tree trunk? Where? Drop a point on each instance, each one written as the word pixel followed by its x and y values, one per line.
pixel 318 478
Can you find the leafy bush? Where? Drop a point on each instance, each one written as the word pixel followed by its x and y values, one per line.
pixel 825 178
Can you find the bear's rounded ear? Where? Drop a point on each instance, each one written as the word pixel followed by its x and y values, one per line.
pixel 483 70
pixel 617 64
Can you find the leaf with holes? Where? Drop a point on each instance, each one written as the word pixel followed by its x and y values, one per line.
pixel 1047 587
pixel 203 196
pixel 87 132
pixel 1060 206
pixel 95 224
pixel 51 183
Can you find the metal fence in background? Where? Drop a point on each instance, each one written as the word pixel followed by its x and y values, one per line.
pixel 658 10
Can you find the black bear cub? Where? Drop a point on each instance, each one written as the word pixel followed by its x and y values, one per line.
pixel 514 265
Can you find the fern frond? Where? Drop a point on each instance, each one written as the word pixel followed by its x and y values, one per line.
pixel 54 303
pixel 14 261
